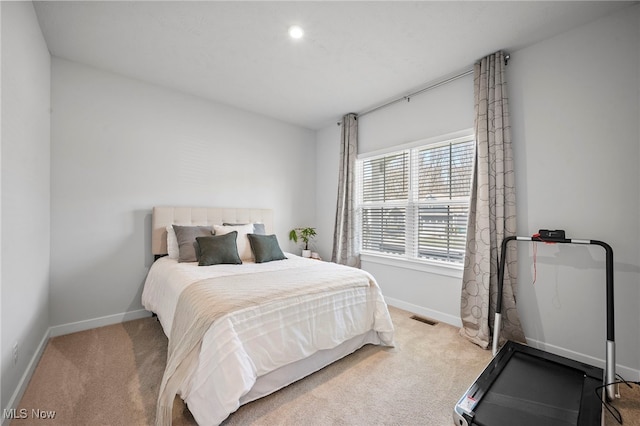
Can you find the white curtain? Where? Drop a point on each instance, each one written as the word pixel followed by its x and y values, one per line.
pixel 345 243
pixel 492 212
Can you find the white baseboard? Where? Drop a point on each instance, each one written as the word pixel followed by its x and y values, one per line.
pixel 73 327
pixel 26 377
pixel 420 310
pixel 627 373
pixel 60 330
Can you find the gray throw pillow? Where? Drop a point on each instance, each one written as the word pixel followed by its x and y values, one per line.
pixel 258 228
pixel 186 236
pixel 265 248
pixel 218 249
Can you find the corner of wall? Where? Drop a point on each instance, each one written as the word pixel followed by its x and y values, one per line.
pixel 25 157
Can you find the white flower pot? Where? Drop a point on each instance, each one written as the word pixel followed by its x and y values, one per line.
pixel 306 253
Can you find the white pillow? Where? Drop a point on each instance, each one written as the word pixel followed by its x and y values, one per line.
pixel 172 243
pixel 242 241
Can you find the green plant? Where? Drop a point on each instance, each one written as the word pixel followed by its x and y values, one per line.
pixel 304 234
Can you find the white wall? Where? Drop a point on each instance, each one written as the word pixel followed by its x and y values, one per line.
pixel 436 112
pixel 574 108
pixel 574 103
pixel 120 146
pixel 25 191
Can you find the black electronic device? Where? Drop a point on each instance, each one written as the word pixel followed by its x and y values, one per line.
pixel 547 234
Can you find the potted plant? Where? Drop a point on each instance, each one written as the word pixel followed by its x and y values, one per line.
pixel 304 234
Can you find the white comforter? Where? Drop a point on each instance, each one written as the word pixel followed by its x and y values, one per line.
pixel 240 348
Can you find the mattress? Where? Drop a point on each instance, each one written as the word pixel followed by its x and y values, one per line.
pixel 250 353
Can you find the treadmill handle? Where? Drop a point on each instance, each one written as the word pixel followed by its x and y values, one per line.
pixel 610 360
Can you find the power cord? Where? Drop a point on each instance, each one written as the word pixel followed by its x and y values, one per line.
pixel 610 408
pixel 535 238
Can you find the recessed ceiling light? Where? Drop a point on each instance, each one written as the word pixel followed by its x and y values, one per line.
pixel 296 32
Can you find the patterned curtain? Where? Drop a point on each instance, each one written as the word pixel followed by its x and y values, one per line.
pixel 492 212
pixel 345 243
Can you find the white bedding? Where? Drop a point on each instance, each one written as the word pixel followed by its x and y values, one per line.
pixel 241 348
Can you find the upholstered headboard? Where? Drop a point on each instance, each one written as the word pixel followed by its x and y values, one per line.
pixel 165 216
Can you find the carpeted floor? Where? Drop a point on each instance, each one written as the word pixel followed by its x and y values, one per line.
pixel 111 376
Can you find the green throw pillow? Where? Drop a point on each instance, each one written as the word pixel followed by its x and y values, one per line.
pixel 265 248
pixel 219 249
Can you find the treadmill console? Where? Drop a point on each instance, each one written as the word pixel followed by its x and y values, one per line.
pixel 556 234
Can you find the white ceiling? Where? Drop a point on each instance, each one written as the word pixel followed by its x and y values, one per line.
pixel 354 56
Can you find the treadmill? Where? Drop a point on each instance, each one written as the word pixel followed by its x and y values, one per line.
pixel 526 386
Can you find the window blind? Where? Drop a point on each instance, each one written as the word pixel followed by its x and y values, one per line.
pixel 415 202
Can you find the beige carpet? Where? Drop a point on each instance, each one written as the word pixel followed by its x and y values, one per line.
pixel 110 376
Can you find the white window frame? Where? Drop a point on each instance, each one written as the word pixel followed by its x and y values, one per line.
pixel 410 259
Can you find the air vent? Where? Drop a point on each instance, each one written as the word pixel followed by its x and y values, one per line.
pixel 424 320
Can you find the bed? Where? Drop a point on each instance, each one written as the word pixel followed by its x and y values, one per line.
pixel 240 331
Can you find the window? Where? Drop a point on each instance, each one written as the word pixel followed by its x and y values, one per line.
pixel 414 203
